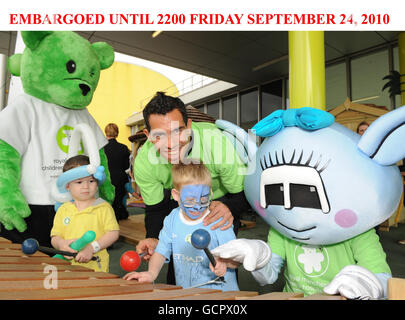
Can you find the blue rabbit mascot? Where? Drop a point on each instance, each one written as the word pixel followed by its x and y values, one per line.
pixel 322 189
pixel 59 73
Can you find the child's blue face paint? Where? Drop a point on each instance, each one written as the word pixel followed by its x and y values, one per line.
pixel 194 199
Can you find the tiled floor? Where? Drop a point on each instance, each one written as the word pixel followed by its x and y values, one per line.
pixel 395 256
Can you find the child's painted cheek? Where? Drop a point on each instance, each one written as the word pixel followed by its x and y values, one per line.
pixel 346 218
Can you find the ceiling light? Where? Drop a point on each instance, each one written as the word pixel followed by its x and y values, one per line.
pixel 367 98
pixel 269 63
pixel 156 33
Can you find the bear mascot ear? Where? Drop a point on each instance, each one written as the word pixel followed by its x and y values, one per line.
pixel 33 38
pixel 14 64
pixel 105 54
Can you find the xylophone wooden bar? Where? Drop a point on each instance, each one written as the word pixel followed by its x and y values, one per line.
pixel 161 294
pixel 396 289
pixel 228 295
pixel 38 268
pixel 295 296
pixel 80 283
pixel 278 296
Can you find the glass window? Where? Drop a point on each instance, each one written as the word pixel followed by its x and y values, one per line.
pixel 398 100
pixel 272 97
pixel 200 107
pixel 335 85
pixel 248 109
pixel 367 79
pixel 229 111
pixel 213 109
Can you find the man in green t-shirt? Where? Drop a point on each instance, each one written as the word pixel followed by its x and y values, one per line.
pixel 172 138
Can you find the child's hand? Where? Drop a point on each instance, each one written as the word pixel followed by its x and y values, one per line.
pixel 140 276
pixel 85 255
pixel 147 246
pixel 65 246
pixel 220 268
pixel 230 263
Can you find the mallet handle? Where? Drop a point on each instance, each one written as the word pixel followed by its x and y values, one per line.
pixel 80 243
pixel 63 253
pixel 212 260
pixel 210 256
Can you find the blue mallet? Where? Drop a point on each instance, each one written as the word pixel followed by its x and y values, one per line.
pixel 200 239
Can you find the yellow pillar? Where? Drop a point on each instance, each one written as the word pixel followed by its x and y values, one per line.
pixel 306 54
pixel 401 50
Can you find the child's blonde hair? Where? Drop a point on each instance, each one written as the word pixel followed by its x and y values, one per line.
pixel 193 173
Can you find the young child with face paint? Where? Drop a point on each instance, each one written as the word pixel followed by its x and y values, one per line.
pixel 192 191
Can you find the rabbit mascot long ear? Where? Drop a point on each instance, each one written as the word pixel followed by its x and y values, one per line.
pixel 82 132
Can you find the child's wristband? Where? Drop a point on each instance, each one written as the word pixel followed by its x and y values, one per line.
pixel 96 246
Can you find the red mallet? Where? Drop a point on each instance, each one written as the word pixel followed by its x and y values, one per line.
pixel 130 261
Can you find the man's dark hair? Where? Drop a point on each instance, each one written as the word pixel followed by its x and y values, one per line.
pixel 162 104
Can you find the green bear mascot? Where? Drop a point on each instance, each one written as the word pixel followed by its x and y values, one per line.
pixel 59 71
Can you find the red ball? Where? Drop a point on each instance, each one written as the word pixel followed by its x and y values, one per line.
pixel 130 261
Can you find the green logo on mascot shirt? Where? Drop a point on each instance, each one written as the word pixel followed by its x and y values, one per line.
pixel 63 137
pixel 311 260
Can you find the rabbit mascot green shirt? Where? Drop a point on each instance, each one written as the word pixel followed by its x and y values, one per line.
pixel 59 73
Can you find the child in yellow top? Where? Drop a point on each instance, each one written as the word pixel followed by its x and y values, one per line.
pixel 86 212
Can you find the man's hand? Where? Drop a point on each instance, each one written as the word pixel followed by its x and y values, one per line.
pixel 147 246
pixel 219 210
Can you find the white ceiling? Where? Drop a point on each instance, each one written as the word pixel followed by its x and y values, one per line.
pixel 225 55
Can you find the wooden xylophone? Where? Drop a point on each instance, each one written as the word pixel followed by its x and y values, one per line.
pixel 28 278
pixel 24 278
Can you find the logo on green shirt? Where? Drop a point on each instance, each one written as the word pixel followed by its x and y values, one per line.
pixel 311 260
pixel 62 139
